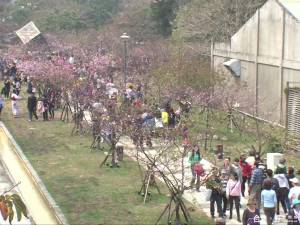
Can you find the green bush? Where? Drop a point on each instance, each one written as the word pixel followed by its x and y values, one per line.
pixel 65 20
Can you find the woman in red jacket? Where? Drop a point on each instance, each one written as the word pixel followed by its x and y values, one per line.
pixel 246 172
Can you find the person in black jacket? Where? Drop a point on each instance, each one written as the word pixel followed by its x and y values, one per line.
pixel 31 105
pixel 216 195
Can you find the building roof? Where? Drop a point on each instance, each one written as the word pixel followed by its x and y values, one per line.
pixel 292 6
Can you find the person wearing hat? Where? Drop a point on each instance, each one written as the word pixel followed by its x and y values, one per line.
pixel 233 193
pixel 294 191
pixel 280 168
pixel 294 214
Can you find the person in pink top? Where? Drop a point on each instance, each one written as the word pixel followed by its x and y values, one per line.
pixel 233 193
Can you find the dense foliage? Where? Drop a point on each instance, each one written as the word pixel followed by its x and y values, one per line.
pixel 163 13
pixel 64 15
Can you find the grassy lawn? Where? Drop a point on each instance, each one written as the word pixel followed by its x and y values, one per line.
pixel 85 193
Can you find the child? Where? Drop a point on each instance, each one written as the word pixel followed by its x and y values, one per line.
pixel 46 106
pixel 251 215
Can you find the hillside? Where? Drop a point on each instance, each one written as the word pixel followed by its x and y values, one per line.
pixel 192 24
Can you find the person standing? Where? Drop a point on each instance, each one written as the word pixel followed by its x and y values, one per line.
pixel 46 107
pixel 193 160
pixel 269 201
pixel 251 159
pixel 283 190
pixel 224 181
pixel 216 194
pixel 6 88
pixel 233 192
pixel 52 104
pixel 255 184
pixel 14 103
pixel 1 104
pixel 294 191
pixel 246 173
pixel 294 214
pixel 31 105
pixel 226 166
pixel 251 215
pixel 237 168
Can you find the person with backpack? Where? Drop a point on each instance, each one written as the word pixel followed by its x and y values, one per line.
pixel 269 201
pixel 251 215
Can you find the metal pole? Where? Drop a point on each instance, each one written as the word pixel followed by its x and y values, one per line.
pixel 125 63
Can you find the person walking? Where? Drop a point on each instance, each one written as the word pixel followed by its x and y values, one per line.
pixel 14 103
pixel 255 184
pixel 237 168
pixel 31 105
pixel 7 88
pixel 233 193
pixel 224 181
pixel 215 185
pixel 269 201
pixel 1 104
pixel 294 191
pixel 283 190
pixel 294 214
pixel 194 159
pixel 246 173
pixel 251 215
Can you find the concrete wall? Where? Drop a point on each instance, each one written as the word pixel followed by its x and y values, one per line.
pixel 269 96
pixel 270 30
pixel 268 46
pixel 247 34
pixel 292 38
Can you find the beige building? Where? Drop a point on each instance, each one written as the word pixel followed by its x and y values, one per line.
pixel 265 54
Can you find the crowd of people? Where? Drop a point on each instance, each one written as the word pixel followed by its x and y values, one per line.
pixel 267 190
pixel 227 184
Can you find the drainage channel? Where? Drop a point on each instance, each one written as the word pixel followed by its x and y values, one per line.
pixel 41 205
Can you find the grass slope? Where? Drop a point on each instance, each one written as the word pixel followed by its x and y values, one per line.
pixel 85 193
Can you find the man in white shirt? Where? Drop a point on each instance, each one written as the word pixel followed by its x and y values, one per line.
pixel 294 191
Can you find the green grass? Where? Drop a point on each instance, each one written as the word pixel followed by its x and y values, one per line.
pixel 85 193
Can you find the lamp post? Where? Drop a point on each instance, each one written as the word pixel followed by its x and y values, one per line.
pixel 124 37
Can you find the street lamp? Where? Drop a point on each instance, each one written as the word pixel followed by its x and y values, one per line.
pixel 124 37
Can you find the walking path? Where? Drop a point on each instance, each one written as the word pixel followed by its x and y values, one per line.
pixel 197 198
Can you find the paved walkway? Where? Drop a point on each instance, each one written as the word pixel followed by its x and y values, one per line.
pixel 197 198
